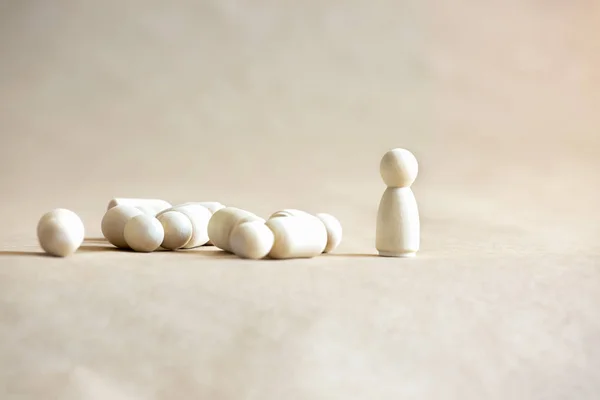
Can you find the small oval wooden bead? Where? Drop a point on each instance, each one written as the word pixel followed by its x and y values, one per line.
pixel 60 232
pixel 144 233
pixel 178 229
pixel 199 217
pixel 222 223
pixel 114 221
pixel 334 231
pixel 148 206
pixel 252 240
pixel 297 237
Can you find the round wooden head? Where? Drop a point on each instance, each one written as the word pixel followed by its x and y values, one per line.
pixel 399 168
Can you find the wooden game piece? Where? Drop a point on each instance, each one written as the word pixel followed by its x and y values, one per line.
pixel 252 240
pixel 199 217
pixel 212 206
pixel 114 221
pixel 334 231
pixel 60 232
pixel 222 223
pixel 144 233
pixel 178 229
pixel 297 237
pixel 148 206
pixel 398 225
pixel 333 226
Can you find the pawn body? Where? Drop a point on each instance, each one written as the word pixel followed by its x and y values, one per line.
pixel 212 206
pixel 223 222
pixel 297 237
pixel 398 226
pixel 253 240
pixel 144 233
pixel 178 229
pixel 114 221
pixel 331 223
pixel 199 216
pixel 60 232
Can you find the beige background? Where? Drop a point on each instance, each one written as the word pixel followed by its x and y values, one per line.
pixel 274 104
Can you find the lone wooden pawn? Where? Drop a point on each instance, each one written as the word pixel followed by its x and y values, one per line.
pixel 398 227
pixel 60 232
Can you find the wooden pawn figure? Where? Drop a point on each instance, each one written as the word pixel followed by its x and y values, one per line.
pixel 398 227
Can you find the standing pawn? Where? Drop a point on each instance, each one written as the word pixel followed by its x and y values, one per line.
pixel 398 227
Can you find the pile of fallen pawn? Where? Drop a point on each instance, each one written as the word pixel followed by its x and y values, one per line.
pixel 145 225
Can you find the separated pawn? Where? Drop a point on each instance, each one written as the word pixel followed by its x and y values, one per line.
pixel 398 224
pixel 60 232
pixel 199 217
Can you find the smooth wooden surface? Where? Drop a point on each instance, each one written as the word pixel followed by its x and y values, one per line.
pixel 268 105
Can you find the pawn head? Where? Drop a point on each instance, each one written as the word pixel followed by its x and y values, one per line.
pixel 399 168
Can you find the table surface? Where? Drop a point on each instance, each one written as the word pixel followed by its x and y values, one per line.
pixel 270 105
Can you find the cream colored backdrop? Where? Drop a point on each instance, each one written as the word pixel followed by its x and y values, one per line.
pixel 276 104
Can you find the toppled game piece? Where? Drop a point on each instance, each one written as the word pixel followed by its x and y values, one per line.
pixel 60 232
pixel 144 233
pixel 224 221
pixel 199 216
pixel 114 221
pixel 178 229
pixel 297 237
pixel 252 240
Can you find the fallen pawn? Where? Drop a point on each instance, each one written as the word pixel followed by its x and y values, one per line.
pixel 287 234
pixel 199 216
pixel 60 232
pixel 114 221
pixel 178 229
pixel 223 222
pixel 331 223
pixel 144 233
pixel 253 240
